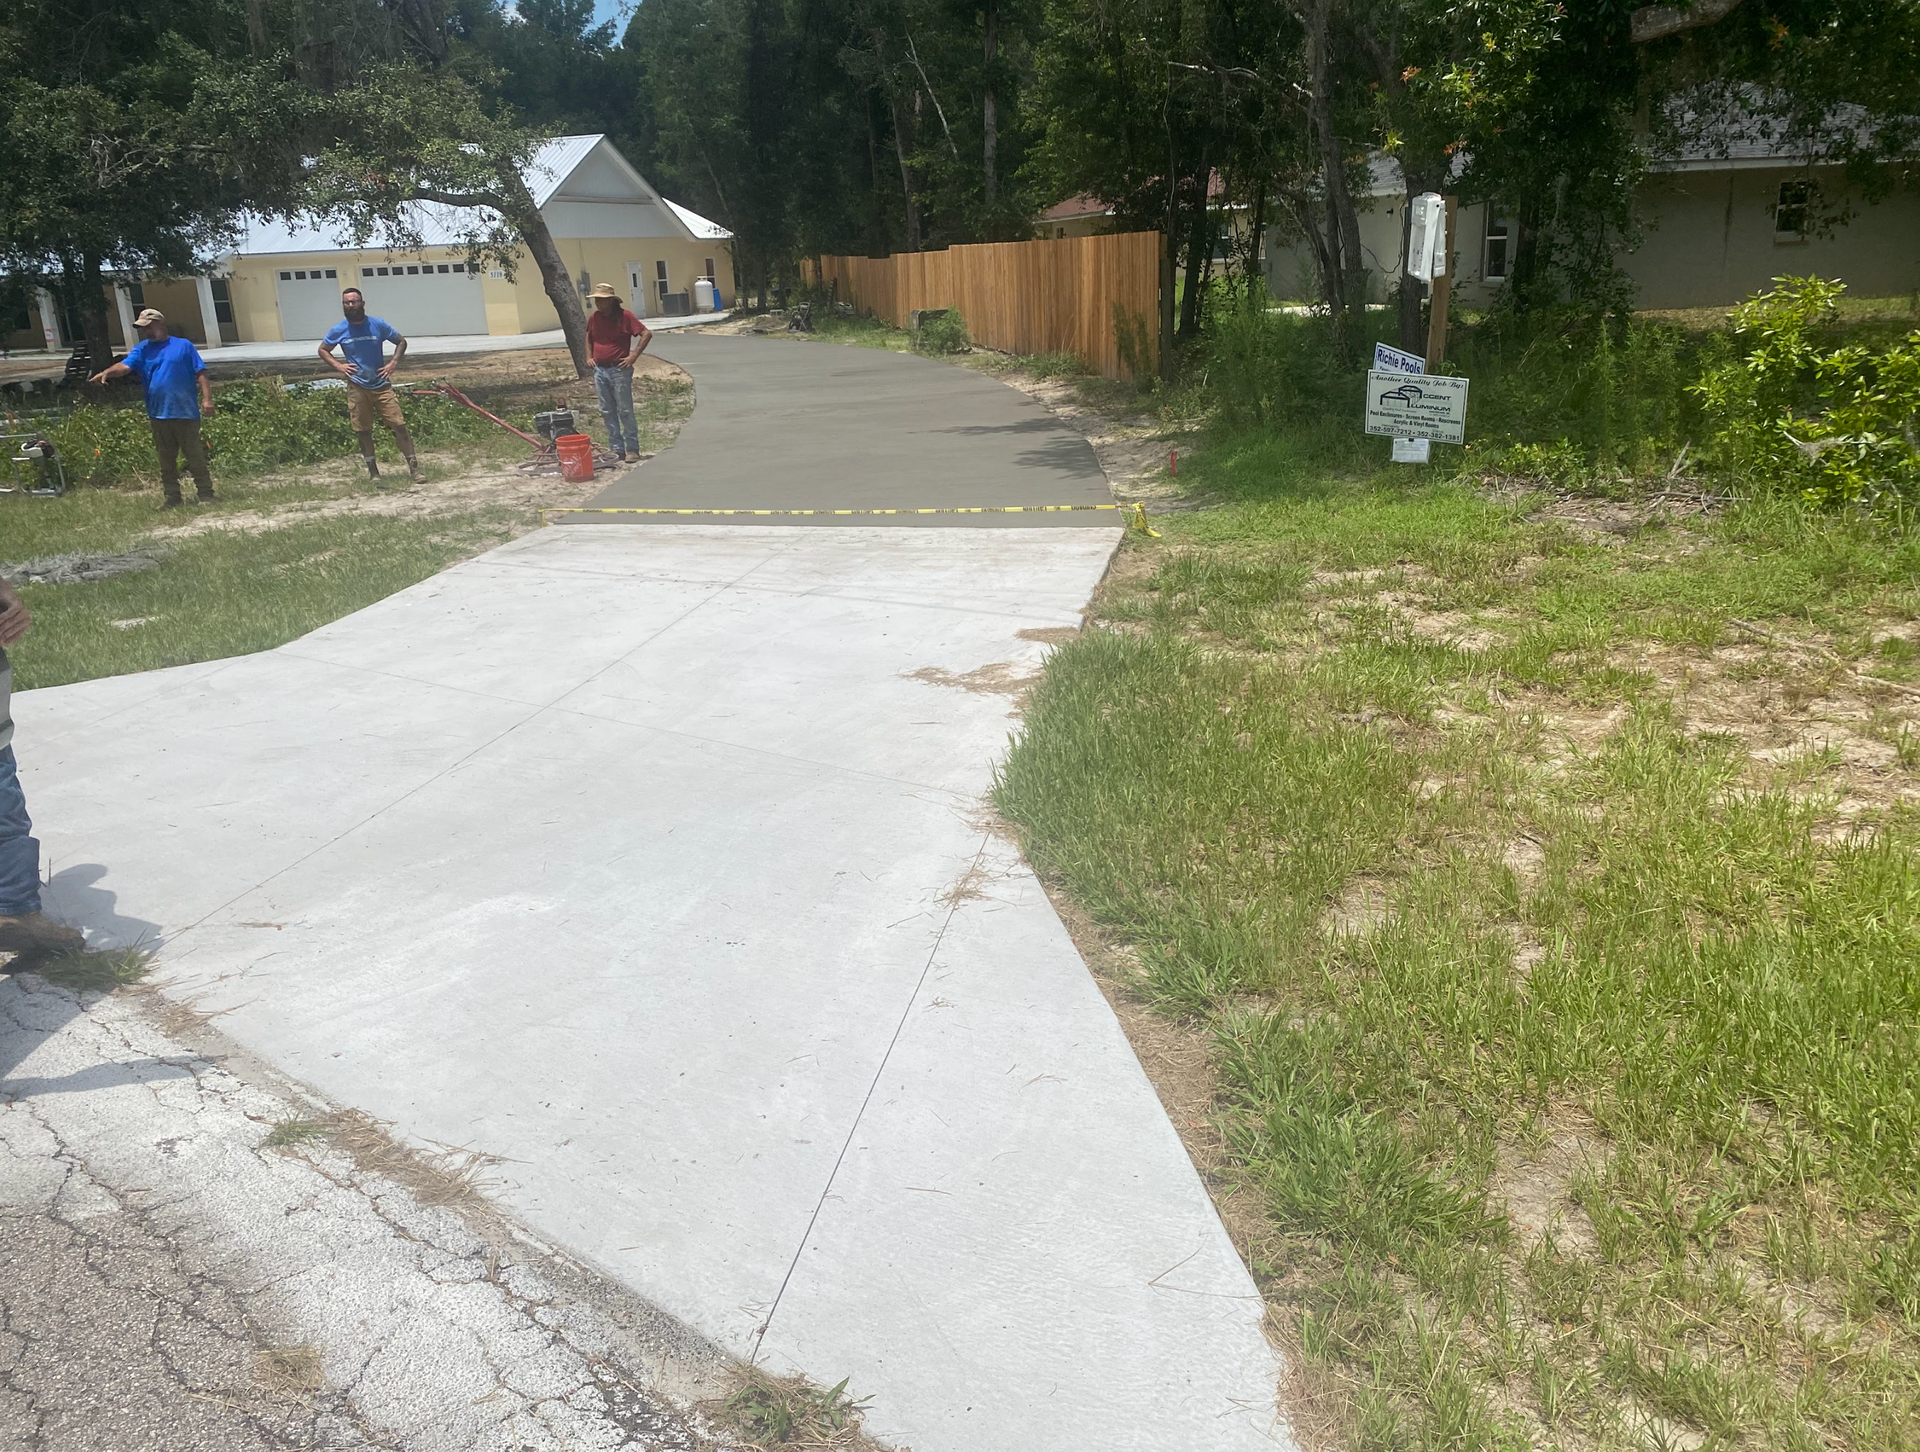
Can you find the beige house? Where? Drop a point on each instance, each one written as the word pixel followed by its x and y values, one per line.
pixel 1721 222
pixel 282 283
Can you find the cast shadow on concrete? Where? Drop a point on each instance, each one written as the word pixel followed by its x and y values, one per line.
pixel 83 1081
pixel 71 896
pixel 29 1018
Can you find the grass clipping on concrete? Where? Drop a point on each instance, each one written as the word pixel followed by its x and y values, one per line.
pixel 1556 940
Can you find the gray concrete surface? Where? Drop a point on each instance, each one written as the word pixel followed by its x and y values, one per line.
pixel 783 423
pixel 170 1283
pixel 652 861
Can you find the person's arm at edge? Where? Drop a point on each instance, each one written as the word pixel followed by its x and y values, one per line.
pixel 14 619
pixel 337 364
pixel 117 370
pixel 206 389
pixel 639 344
pixel 392 365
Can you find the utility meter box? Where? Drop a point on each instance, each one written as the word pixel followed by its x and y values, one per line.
pixel 1427 237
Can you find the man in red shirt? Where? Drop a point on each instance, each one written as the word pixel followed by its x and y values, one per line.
pixel 618 339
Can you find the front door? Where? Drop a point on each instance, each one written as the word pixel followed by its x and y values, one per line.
pixel 637 289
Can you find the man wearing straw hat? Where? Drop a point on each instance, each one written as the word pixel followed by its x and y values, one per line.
pixel 618 339
pixel 175 380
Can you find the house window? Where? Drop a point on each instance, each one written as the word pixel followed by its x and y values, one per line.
pixel 1499 250
pixel 710 274
pixel 660 280
pixel 332 273
pixel 366 272
pixel 222 299
pixel 1790 211
pixel 286 277
pixel 136 294
pixel 442 267
pixel 459 267
pixel 381 270
pixel 413 272
pixel 1059 232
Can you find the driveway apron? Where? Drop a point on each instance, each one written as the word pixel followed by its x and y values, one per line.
pixel 655 863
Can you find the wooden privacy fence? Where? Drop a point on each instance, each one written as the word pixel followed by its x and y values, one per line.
pixel 1054 296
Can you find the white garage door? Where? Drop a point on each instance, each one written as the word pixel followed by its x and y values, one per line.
pixel 425 299
pixel 309 300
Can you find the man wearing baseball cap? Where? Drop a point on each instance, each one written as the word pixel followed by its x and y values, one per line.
pixel 617 339
pixel 175 379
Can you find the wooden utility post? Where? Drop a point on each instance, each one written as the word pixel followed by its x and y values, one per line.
pixel 1442 294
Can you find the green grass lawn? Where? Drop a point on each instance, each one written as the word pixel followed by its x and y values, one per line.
pixel 1541 872
pixel 227 593
pixel 297 537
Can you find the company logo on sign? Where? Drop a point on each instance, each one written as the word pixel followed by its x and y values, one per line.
pixel 1431 407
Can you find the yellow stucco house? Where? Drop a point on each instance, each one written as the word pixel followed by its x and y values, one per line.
pixel 282 282
pixel 1721 220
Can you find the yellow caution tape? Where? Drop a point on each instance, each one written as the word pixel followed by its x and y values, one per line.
pixel 1139 520
pixel 958 509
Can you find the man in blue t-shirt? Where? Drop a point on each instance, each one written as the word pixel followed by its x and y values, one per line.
pixel 175 380
pixel 369 374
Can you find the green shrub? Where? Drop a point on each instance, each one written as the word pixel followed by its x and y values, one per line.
pixel 1793 409
pixel 257 424
pixel 1260 368
pixel 943 333
pixel 1613 389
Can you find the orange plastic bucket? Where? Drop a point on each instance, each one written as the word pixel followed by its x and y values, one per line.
pixel 576 458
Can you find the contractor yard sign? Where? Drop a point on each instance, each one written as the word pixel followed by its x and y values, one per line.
pixel 1423 407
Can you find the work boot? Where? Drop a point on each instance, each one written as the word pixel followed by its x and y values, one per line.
pixel 373 465
pixel 36 933
pixel 414 471
pixel 203 496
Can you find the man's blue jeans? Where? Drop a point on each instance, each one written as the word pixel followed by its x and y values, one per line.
pixel 19 853
pixel 614 388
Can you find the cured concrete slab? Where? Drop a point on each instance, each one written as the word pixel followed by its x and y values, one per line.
pixel 653 862
pixel 788 424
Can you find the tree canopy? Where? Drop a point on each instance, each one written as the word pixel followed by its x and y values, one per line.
pixel 137 131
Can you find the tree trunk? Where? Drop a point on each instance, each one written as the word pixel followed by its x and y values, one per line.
pixel 906 179
pixel 90 290
pixel 425 29
pixel 1166 305
pixel 989 120
pixel 553 270
pixel 1524 266
pixel 1199 253
pixel 1256 276
pixel 1348 277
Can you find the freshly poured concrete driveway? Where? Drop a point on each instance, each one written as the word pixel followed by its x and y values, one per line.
pixel 652 861
pixel 786 424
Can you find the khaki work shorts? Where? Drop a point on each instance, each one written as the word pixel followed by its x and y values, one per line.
pixel 364 405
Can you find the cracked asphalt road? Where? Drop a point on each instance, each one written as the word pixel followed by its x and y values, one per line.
pixel 161 1269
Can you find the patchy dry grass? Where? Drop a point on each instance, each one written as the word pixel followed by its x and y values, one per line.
pixel 1535 883
pixel 85 972
pixel 768 1412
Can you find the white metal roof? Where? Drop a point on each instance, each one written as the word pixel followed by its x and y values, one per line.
pixel 545 173
pixel 695 223
pixel 554 162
